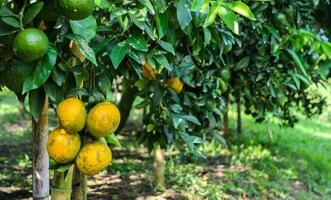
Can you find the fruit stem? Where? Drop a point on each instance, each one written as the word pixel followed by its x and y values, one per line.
pixel 22 14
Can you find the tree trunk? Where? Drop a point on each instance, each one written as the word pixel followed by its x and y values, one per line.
pixel 79 186
pixel 61 187
pixel 226 117
pixel 159 167
pixel 40 160
pixel 128 96
pixel 238 101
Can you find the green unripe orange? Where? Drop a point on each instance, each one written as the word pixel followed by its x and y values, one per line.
pixel 30 44
pixel 76 9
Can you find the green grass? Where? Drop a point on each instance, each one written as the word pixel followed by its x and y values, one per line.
pixel 293 164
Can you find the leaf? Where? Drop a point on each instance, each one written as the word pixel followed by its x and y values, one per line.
pixel 148 5
pixel 167 46
pixel 297 59
pixel 42 72
pixel 138 42
pixel 243 63
pixel 327 48
pixel 54 92
pixel 241 9
pixel 163 61
pixel 11 21
pixel 183 14
pixel 86 27
pixel 229 18
pixel 211 16
pixel 36 102
pixel 274 32
pixel 32 12
pixel 191 141
pixel 86 50
pixel 112 139
pixel 191 118
pixel 161 20
pixel 199 5
pixel 207 36
pixel 6 12
pixel 118 53
pixel 219 138
pixel 103 4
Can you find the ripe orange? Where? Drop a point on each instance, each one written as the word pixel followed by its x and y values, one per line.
pixel 175 83
pixel 103 119
pixel 93 158
pixel 148 72
pixel 62 146
pixel 71 114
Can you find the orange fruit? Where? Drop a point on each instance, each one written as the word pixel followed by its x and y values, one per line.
pixel 93 158
pixel 175 83
pixel 62 146
pixel 148 72
pixel 76 10
pixel 71 114
pixel 103 119
pixel 30 44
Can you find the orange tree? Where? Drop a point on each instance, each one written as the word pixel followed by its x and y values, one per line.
pixel 76 54
pixel 281 55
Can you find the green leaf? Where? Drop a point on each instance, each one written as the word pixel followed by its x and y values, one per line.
pixel 167 46
pixel 297 59
pixel 86 50
pixel 199 5
pixel 118 53
pixel 243 63
pixel 229 18
pixel 137 42
pixel 219 138
pixel 191 118
pixel 112 139
pixel 86 27
pixel 54 92
pixel 327 48
pixel 42 72
pixel 163 61
pixel 161 20
pixel 36 102
pixel 148 5
pixel 207 36
pixel 183 14
pixel 191 141
pixel 197 45
pixel 6 12
pixel 211 16
pixel 32 12
pixel 103 4
pixel 11 21
pixel 274 32
pixel 241 9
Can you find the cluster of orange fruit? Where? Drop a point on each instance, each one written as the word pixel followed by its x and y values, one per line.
pixel 174 82
pixel 64 143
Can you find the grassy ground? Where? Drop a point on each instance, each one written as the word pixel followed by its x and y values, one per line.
pixel 294 164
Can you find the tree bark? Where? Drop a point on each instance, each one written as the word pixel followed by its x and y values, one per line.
pixel 40 160
pixel 226 117
pixel 79 186
pixel 238 102
pixel 159 167
pixel 128 96
pixel 61 187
